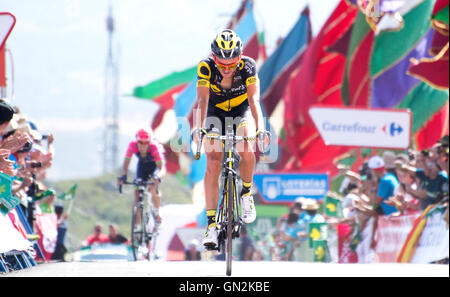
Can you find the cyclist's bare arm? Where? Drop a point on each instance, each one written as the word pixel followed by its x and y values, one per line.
pixel 202 106
pixel 126 164
pixel 255 105
pixel 161 169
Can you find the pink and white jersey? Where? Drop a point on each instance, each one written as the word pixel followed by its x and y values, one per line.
pixel 155 151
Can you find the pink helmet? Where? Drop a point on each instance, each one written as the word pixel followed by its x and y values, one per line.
pixel 143 135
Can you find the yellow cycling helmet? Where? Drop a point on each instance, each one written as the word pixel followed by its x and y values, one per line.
pixel 226 45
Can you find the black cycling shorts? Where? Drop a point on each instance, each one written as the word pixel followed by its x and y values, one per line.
pixel 145 170
pixel 217 122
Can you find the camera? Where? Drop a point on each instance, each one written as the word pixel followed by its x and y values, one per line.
pixel 425 153
pixel 36 165
pixel 26 147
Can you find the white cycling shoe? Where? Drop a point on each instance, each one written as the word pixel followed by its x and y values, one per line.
pixel 248 209
pixel 210 239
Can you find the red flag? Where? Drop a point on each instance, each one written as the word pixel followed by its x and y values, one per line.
pixel 318 80
pixel 434 70
pixel 47 226
pixel 433 130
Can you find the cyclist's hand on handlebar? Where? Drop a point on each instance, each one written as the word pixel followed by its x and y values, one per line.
pixel 263 138
pixel 197 134
pixel 121 179
pixel 157 179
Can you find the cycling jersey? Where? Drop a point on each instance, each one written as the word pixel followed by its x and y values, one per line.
pixel 231 102
pixel 147 164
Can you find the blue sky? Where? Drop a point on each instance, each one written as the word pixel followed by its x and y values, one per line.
pixel 59 51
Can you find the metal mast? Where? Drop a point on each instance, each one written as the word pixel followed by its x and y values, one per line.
pixel 111 108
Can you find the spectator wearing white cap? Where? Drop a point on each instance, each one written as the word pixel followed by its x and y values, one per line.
pixel 388 182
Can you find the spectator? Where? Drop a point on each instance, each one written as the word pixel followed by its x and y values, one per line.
pixel 192 253
pixel 443 152
pixel 247 248
pixel 6 114
pixel 295 208
pixel 435 181
pixel 311 208
pixel 60 249
pixel 389 159
pixel 406 193
pixel 388 182
pixel 114 236
pixel 348 205
pixel 97 237
pixel 289 237
pixel 46 204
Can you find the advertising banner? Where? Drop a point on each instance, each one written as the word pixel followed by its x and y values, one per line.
pixel 285 188
pixel 390 235
pixel 382 128
pixel 434 241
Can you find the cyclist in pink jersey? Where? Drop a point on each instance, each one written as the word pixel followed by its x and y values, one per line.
pixel 150 165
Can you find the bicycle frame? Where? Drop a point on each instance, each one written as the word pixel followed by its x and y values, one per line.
pixel 143 236
pixel 229 216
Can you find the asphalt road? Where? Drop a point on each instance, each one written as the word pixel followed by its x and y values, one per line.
pixel 240 269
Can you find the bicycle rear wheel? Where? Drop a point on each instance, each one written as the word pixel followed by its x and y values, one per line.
pixel 230 199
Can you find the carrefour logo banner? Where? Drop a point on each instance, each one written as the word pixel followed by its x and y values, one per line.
pixel 285 188
pixel 381 128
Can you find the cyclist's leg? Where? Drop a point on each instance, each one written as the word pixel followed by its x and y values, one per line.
pixel 156 200
pixel 246 168
pixel 246 151
pixel 214 155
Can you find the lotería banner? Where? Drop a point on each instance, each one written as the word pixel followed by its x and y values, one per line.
pixel 286 187
pixel 380 128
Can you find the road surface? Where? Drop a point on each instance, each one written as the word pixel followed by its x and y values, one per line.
pixel 217 269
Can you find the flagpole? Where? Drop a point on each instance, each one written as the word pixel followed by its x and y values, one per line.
pixel 70 207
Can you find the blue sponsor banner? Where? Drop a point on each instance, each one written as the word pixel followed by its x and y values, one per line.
pixel 286 187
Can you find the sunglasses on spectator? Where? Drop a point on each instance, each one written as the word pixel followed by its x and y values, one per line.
pixel 142 142
pixel 226 66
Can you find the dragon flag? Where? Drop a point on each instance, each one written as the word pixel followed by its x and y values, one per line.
pixel 378 65
pixel 367 65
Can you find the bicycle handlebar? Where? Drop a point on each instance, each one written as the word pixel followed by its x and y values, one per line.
pixel 152 181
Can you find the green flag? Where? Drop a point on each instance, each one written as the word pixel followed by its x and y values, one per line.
pixel 321 251
pixel 43 194
pixel 333 207
pixel 356 238
pixel 317 231
pixel 7 200
pixel 69 195
pixel 160 86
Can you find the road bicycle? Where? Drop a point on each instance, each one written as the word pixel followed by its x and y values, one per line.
pixel 228 219
pixel 144 234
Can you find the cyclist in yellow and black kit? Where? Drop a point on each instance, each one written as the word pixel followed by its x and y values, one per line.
pixel 228 90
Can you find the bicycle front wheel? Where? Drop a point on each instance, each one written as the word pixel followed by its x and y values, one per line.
pixel 137 232
pixel 230 199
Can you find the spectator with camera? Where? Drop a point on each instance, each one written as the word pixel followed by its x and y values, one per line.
pixel 406 195
pixel 434 179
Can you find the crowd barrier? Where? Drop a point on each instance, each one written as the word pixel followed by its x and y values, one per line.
pixel 16 251
pixel 412 238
